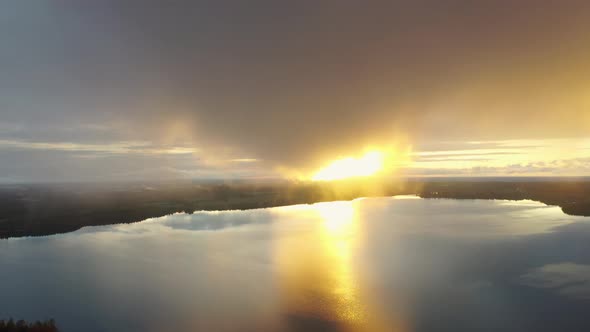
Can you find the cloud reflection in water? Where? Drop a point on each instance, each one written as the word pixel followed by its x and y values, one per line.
pixel 380 264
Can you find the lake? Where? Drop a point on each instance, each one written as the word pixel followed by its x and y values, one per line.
pixel 378 264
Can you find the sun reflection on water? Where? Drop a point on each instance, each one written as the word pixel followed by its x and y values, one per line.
pixel 318 273
pixel 337 217
pixel 338 237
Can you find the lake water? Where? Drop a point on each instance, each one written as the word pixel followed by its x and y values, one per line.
pixel 379 264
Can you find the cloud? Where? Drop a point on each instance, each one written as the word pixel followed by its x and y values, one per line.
pixel 569 279
pixel 294 84
pixel 539 157
pixel 120 147
pixel 567 167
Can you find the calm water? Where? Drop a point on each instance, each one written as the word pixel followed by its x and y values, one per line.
pixel 382 264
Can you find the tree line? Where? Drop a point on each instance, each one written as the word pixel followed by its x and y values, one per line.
pixel 22 326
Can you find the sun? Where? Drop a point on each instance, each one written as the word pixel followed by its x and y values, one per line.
pixel 369 164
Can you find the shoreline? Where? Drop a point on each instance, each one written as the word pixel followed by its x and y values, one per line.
pixel 35 212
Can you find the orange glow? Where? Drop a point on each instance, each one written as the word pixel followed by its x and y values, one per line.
pixel 369 164
pixel 323 265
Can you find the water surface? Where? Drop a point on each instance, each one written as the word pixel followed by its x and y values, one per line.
pixel 379 264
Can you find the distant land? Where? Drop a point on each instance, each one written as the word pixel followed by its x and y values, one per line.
pixel 45 209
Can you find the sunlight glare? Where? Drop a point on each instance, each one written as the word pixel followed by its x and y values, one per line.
pixel 337 216
pixel 367 165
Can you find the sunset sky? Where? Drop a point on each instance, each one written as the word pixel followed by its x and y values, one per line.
pixel 134 90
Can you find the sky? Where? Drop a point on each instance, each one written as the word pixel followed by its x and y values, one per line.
pixel 120 90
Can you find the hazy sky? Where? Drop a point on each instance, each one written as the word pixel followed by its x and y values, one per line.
pixel 94 90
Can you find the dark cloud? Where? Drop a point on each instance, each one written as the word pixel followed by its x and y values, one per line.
pixel 294 83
